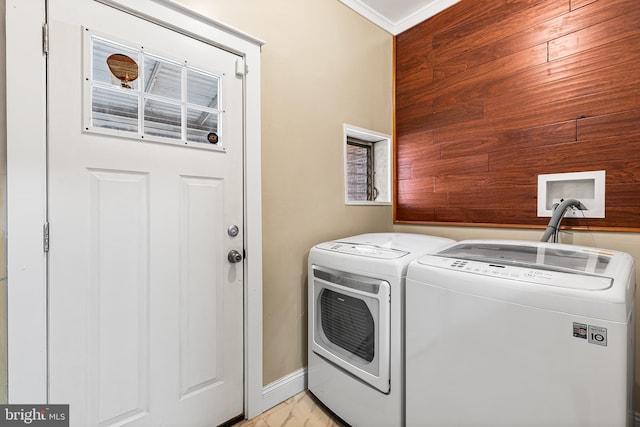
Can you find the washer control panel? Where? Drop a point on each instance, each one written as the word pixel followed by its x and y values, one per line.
pixel 523 274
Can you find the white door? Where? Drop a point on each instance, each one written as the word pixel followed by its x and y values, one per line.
pixel 145 181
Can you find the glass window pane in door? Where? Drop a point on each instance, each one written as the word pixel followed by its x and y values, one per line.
pixel 200 124
pixel 162 119
pixel 114 109
pixel 100 69
pixel 162 78
pixel 202 89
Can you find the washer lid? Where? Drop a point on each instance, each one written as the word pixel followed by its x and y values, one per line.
pixel 541 257
pixel 371 251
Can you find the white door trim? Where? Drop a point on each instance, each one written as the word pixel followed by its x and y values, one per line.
pixel 26 202
pixel 26 189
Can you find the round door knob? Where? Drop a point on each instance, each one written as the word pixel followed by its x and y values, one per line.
pixel 234 256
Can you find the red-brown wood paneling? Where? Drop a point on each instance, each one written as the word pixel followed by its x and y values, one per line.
pixel 489 95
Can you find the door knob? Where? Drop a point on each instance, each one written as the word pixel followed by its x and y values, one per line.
pixel 234 256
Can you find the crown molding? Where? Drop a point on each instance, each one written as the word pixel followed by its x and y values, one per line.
pixel 431 8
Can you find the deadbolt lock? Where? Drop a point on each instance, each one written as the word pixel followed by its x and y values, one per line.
pixel 233 230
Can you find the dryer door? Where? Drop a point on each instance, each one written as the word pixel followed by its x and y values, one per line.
pixel 351 315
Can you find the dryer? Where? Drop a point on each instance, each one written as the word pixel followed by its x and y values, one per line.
pixel 511 333
pixel 356 317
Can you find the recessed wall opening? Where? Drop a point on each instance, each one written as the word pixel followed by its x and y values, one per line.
pixel 587 187
pixel 367 167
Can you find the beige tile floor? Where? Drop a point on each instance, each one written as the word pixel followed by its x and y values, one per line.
pixel 301 410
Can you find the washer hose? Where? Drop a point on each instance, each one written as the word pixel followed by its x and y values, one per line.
pixel 559 210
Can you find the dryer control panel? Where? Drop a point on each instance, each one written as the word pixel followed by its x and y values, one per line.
pixel 370 251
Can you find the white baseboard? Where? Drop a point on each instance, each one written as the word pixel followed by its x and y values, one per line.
pixel 284 388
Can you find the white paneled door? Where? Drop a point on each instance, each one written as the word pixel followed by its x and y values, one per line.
pixel 145 188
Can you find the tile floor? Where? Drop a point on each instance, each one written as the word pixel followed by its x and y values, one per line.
pixel 301 410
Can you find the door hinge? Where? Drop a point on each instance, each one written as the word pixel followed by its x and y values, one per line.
pixel 45 237
pixel 45 38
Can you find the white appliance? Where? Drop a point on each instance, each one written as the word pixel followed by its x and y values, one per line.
pixel 356 288
pixel 510 333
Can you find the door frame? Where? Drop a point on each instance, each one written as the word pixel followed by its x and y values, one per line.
pixel 27 188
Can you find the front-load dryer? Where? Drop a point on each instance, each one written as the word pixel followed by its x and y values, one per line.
pixel 356 317
pixel 511 333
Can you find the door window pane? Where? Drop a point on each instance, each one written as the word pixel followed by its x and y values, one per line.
pixel 162 78
pixel 202 89
pixel 162 119
pixel 102 72
pixel 114 109
pixel 200 124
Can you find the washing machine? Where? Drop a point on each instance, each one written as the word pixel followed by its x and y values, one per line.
pixel 356 291
pixel 511 333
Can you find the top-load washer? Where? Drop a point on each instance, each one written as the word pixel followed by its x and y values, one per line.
pixel 511 333
pixel 356 317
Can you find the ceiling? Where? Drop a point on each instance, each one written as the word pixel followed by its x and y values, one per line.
pixel 396 16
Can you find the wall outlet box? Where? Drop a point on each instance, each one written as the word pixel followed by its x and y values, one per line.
pixel 587 187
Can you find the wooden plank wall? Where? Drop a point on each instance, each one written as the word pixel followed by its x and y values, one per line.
pixel 489 94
